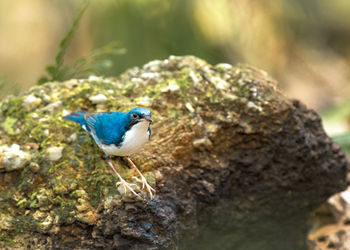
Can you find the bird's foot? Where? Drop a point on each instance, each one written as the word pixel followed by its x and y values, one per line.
pixel 145 184
pixel 127 186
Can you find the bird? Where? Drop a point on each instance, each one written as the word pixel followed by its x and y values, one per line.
pixel 120 134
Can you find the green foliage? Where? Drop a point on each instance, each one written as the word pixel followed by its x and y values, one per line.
pixel 339 114
pixel 58 71
pixel 344 141
pixel 94 63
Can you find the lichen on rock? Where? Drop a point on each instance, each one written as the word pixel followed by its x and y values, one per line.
pixel 227 150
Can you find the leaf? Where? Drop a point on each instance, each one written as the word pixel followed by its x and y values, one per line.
pixel 96 62
pixel 42 80
pixel 56 72
pixel 69 36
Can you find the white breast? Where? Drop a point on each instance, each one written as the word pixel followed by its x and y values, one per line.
pixel 134 140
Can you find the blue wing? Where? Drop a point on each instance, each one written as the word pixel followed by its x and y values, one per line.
pixel 109 127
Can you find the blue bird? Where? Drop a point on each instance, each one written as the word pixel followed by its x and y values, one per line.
pixel 120 134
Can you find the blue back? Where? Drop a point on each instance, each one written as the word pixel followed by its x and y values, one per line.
pixel 106 127
pixel 109 127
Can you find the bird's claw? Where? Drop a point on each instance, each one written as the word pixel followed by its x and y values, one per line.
pixel 127 186
pixel 144 183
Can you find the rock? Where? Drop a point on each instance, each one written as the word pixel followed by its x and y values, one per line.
pixel 144 101
pixel 52 107
pixel 94 78
pixel 235 164
pixel 89 217
pixel 43 199
pixel 80 193
pixel 197 143
pixel 333 232
pixel 5 221
pixel 54 153
pixel 31 101
pixel 83 205
pixel 35 167
pixel 171 87
pixel 12 158
pixel 45 225
pixel 72 137
pixel 223 67
pixel 97 99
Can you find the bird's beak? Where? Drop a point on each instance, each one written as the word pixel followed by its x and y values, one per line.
pixel 148 118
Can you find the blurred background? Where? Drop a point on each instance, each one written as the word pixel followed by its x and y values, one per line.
pixel 304 44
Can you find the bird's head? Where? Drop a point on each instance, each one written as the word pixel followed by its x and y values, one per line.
pixel 137 115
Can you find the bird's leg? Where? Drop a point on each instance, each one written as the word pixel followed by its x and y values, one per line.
pixel 143 179
pixel 122 181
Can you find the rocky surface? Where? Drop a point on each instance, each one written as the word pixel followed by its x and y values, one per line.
pixel 235 164
pixel 332 224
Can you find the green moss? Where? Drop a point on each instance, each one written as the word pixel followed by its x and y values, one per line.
pixel 8 124
pixel 184 80
pixel 25 180
pixel 22 203
pixel 174 112
pixel 6 239
pixel 14 107
pixel 63 211
pixel 129 88
pixel 24 223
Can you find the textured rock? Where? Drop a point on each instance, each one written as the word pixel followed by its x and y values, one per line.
pixel 332 224
pixel 54 153
pixel 12 158
pixel 235 164
pixel 98 99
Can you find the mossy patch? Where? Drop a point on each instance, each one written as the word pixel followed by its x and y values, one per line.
pixel 13 107
pixel 8 125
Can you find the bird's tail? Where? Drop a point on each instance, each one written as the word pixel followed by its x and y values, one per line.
pixel 78 117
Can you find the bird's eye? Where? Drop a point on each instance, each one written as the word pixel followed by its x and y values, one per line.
pixel 134 115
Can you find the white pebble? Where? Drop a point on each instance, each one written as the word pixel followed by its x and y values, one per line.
pixel 189 107
pixel 144 101
pixel 72 138
pixel 252 105
pixel 31 101
pixel 94 78
pixel 202 142
pixel 147 75
pixel 172 87
pixel 46 132
pixel 54 153
pixel 220 83
pixel 13 158
pixel 100 98
pixel 223 66
pixel 52 106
